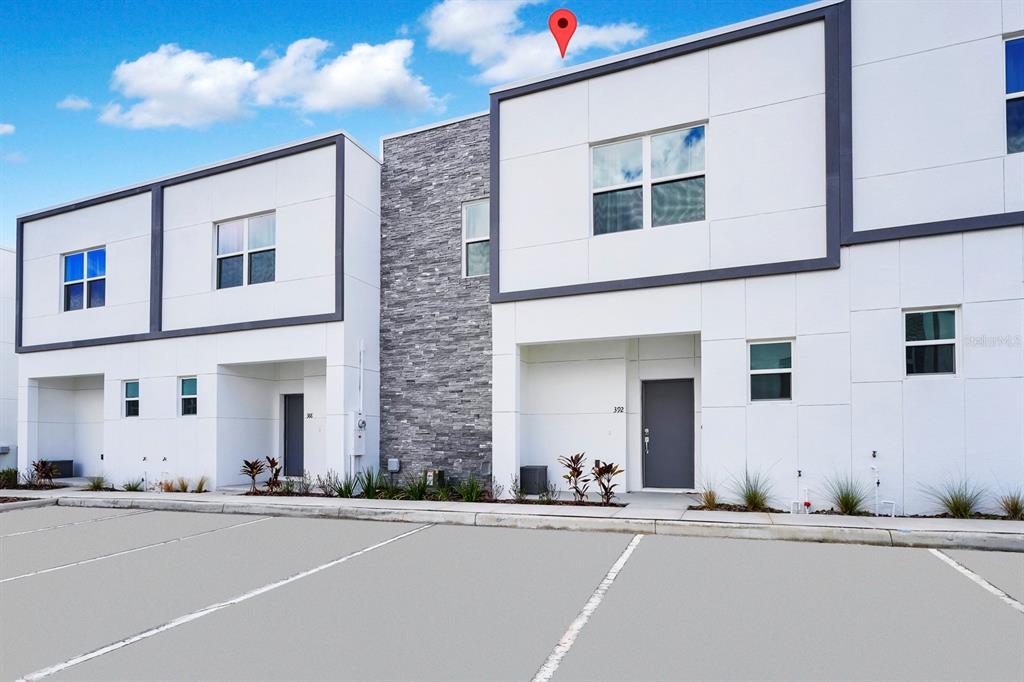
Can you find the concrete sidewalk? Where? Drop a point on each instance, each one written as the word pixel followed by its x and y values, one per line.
pixel 665 516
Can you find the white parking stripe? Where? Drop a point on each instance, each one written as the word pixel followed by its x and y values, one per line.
pixel 562 648
pixel 1006 599
pixel 212 608
pixel 76 523
pixel 130 551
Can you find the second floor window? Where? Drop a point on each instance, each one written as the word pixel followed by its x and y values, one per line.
pixel 476 238
pixel 85 279
pixel 131 398
pixel 650 181
pixel 771 371
pixel 930 341
pixel 1015 96
pixel 245 251
pixel 188 395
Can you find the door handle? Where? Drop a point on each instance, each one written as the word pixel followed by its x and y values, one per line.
pixel 647 441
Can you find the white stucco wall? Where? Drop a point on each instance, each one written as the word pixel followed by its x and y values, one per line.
pixel 8 361
pixel 123 227
pixel 763 104
pixel 929 111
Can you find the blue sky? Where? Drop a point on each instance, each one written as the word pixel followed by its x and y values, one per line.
pixel 151 88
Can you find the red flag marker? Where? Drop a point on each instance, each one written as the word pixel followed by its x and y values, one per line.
pixel 562 23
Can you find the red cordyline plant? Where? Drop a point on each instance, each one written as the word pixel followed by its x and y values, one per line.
pixel 603 473
pixel 578 483
pixel 274 480
pixel 252 468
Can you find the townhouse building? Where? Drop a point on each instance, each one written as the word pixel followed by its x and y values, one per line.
pixel 177 326
pixel 8 364
pixel 791 246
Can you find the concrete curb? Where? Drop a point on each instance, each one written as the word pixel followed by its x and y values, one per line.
pixel 981 540
pixel 27 504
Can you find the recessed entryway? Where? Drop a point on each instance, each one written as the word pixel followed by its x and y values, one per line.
pixel 667 430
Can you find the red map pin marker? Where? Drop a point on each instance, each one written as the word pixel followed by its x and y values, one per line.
pixel 562 23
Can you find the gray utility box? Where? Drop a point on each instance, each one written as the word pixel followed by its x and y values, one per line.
pixel 65 468
pixel 533 479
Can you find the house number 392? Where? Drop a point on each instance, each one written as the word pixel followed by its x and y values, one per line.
pixel 618 409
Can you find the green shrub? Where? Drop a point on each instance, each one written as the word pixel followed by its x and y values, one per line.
pixel 708 497
pixel 9 477
pixel 135 486
pixel 846 494
pixel 389 490
pixel 416 488
pixel 754 490
pixel 201 483
pixel 370 482
pixel 470 490
pixel 97 483
pixel 1012 504
pixel 328 483
pixel 182 483
pixel 304 485
pixel 443 493
pixel 345 487
pixel 516 489
pixel 549 495
pixel 960 499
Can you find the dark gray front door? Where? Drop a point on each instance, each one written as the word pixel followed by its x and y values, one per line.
pixel 667 433
pixel 293 415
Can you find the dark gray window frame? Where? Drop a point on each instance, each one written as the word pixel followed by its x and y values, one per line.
pixel 839 230
pixel 156 192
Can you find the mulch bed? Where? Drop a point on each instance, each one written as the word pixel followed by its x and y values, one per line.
pixel 975 515
pixel 4 500
pixel 736 508
pixel 33 486
pixel 833 512
pixel 453 498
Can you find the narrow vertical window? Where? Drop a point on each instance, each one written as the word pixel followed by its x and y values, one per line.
pixel 246 251
pixel 131 398
pixel 771 371
pixel 188 395
pixel 476 238
pixel 85 279
pixel 1015 96
pixel 930 341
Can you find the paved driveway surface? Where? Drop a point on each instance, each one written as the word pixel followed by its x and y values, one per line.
pixel 95 594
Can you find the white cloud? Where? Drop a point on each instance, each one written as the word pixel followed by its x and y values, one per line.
pixel 179 88
pixel 489 33
pixel 6 129
pixel 193 90
pixel 74 103
pixel 14 157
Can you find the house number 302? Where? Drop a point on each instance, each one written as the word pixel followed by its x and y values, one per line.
pixel 618 409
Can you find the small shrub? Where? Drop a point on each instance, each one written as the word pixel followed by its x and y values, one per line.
pixel 274 479
pixel 516 489
pixel 960 499
pixel 328 483
pixel 201 484
pixel 167 486
pixel 43 472
pixel 470 490
pixel 754 490
pixel 389 490
pixel 416 487
pixel 252 468
pixel 135 486
pixel 370 482
pixel 443 493
pixel 603 473
pixel 497 489
pixel 708 496
pixel 304 485
pixel 8 477
pixel 846 494
pixel 1012 504
pixel 578 483
pixel 182 484
pixel 549 495
pixel 288 487
pixel 97 483
pixel 345 487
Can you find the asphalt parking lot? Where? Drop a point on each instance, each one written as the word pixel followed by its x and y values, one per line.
pixel 103 594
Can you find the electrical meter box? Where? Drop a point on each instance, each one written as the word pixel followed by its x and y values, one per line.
pixel 359 434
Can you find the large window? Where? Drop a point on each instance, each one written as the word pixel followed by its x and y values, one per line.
pixel 131 398
pixel 771 370
pixel 188 395
pixel 1015 96
pixel 245 251
pixel 85 279
pixel 648 181
pixel 930 341
pixel 476 238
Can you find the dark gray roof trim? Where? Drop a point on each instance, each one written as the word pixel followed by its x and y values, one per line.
pixel 838 155
pixel 156 191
